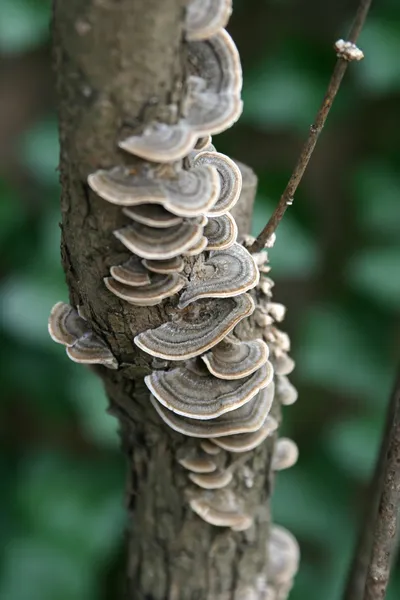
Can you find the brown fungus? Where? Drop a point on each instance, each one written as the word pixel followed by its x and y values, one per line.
pixel 226 273
pixel 187 194
pixel 90 349
pixel 152 215
pixel 233 359
pixel 165 267
pixel 246 419
pixel 65 325
pixel 131 273
pixel 205 18
pixel 221 232
pixel 244 442
pixel 154 244
pixel 195 329
pixel 161 287
pixel 192 392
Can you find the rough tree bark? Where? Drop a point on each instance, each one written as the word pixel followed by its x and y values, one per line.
pixel 118 64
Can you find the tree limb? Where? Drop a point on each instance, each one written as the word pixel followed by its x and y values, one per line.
pixel 315 129
pixel 386 519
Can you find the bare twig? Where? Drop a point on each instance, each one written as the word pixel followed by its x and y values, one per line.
pixel 346 53
pixel 386 521
pixel 355 584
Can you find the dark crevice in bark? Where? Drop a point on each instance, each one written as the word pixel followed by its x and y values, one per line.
pixel 117 65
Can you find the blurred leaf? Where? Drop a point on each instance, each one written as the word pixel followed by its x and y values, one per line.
pixel 380 40
pixel 87 393
pixel 40 149
pixel 281 93
pixel 23 24
pixel 25 304
pixel 295 253
pixel 77 505
pixel 11 211
pixel 378 206
pixel 336 354
pixel 375 272
pixel 34 569
pixel 354 445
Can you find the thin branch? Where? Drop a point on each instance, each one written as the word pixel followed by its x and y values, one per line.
pixel 355 584
pixel 346 54
pixel 386 521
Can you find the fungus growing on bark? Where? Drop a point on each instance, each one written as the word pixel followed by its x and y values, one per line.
pixel 282 363
pixel 212 481
pixel 65 325
pixel 188 194
pixel 192 392
pixel 151 243
pixel 221 232
pixel 197 248
pixel 232 359
pixel 226 273
pixel 283 556
pixel 220 509
pixel 195 329
pixel 244 442
pixel 276 310
pixel 152 215
pixel 248 418
pixel 161 142
pixel 209 447
pixel 198 464
pixel 131 273
pixel 216 62
pixel 204 18
pixel 230 180
pixel 285 454
pixel 286 393
pixel 212 112
pixel 165 267
pixel 161 287
pixel 91 350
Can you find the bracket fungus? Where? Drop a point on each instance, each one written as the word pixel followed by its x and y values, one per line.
pixel 161 142
pixel 244 442
pixel 285 454
pixel 161 287
pixel 191 391
pixel 233 359
pixel 225 274
pixel 209 447
pixel 198 464
pixel 197 248
pixel 212 481
pixel 131 272
pixel 216 62
pixel 67 327
pixel 151 243
pixel 283 364
pixel 188 194
pixel 230 180
pixel 165 267
pixel 91 350
pixel 283 556
pixel 247 418
pixel 205 17
pixel 220 509
pixel 195 329
pixel 152 215
pixel 221 232
pixel 65 324
pixel 212 112
pixel 286 393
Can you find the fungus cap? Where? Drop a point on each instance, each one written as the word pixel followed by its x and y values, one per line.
pixel 212 481
pixel 165 267
pixel 232 359
pixel 285 454
pixel 161 287
pixel 195 329
pixel 205 18
pixel 65 325
pixel 152 215
pixel 225 274
pixel 246 419
pixel 191 391
pixel 131 273
pixel 244 442
pixel 90 349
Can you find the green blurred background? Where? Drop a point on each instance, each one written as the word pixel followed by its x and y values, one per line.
pixel 336 264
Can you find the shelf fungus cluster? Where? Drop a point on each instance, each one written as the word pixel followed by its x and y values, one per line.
pixel 217 384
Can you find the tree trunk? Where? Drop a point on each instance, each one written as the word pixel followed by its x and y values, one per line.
pixel 118 64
